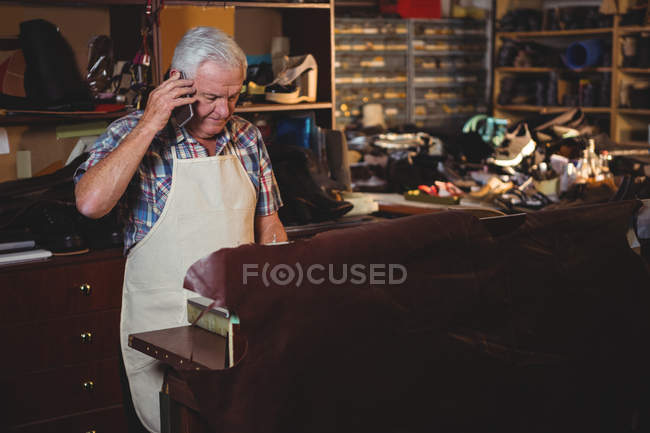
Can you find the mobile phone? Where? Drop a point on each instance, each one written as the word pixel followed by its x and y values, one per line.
pixel 183 113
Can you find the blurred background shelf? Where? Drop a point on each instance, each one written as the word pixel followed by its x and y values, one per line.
pixel 554 33
pixel 635 111
pixel 633 29
pixel 539 69
pixel 283 107
pixel 634 70
pixel 543 109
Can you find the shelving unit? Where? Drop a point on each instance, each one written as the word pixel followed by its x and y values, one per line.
pixel 295 21
pixel 438 66
pixel 631 124
pixel 626 125
pixel 126 38
pixel 448 81
pixel 371 67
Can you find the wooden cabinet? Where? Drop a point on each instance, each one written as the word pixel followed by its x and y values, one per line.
pixel 60 329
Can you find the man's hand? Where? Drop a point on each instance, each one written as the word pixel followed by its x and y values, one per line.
pixel 102 185
pixel 164 98
pixel 269 229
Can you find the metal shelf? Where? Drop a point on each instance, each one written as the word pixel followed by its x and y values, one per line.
pixel 445 100
pixel 447 37
pixel 445 85
pixel 468 21
pixel 447 53
pixel 427 72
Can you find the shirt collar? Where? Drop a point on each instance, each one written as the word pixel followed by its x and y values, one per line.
pixel 183 136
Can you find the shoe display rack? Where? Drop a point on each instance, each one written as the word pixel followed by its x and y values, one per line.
pixel 623 106
pixel 422 71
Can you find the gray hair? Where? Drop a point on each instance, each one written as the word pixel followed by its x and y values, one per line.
pixel 201 44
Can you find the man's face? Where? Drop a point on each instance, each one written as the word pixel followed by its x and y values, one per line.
pixel 217 90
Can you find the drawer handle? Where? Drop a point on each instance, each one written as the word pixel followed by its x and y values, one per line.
pixel 86 337
pixel 88 386
pixel 85 289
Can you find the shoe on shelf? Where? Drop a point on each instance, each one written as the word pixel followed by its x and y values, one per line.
pixel 258 76
pixel 296 83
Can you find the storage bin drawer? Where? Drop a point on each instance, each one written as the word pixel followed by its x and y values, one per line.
pixel 56 343
pixel 112 420
pixel 61 392
pixel 37 294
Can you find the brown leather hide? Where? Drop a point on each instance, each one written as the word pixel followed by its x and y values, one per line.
pixel 541 329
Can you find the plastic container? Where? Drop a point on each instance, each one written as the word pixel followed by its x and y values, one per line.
pixel 584 54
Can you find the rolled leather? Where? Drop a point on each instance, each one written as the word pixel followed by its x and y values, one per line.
pixel 540 328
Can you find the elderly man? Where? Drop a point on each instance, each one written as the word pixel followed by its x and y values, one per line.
pixel 189 191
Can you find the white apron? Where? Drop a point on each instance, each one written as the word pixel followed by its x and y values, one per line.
pixel 211 205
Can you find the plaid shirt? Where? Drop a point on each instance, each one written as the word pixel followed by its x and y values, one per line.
pixel 145 197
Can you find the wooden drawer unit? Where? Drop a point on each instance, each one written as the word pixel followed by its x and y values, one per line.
pixel 111 420
pixel 63 391
pixel 60 288
pixel 59 322
pixel 57 343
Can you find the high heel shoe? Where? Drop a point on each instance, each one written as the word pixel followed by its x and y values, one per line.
pixel 296 83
